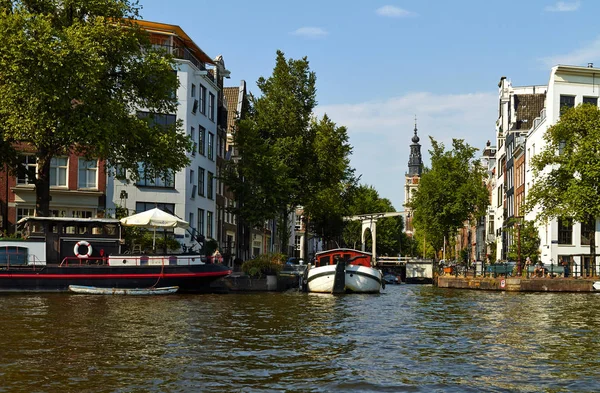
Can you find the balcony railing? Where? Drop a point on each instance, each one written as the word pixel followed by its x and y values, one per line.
pixel 184 54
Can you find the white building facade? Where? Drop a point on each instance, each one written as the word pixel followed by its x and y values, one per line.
pixel 561 238
pixel 191 193
pixel 514 119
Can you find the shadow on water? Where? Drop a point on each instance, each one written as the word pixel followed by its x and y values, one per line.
pixel 410 338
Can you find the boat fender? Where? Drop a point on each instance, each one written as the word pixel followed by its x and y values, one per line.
pixel 82 243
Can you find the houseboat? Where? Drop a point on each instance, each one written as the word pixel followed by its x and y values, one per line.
pixel 58 252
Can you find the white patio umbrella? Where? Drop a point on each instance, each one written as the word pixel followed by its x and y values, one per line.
pixel 154 218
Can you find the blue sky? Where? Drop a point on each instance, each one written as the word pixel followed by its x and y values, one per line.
pixel 380 63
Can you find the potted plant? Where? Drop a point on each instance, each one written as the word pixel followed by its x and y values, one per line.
pixel 265 265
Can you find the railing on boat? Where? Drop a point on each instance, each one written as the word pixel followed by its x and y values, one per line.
pixel 142 260
pixel 20 257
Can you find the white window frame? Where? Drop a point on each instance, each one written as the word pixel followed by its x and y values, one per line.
pixel 56 168
pixel 89 172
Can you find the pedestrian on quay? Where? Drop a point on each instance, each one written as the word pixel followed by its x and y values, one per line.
pixel 566 267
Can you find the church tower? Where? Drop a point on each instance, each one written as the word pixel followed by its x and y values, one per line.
pixel 412 177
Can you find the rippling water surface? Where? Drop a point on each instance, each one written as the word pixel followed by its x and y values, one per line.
pixel 408 339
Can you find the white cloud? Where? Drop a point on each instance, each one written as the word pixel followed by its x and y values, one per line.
pixel 563 6
pixel 310 32
pixel 588 53
pixel 381 132
pixel 393 12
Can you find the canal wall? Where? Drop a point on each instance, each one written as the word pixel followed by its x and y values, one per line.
pixel 518 284
pixel 239 282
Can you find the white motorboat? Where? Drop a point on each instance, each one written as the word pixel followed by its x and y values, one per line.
pixel 344 270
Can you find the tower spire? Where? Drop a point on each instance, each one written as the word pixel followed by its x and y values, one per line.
pixel 415 162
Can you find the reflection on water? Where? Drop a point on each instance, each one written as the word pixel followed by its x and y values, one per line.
pixel 411 338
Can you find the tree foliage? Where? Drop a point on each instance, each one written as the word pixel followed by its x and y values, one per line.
pixel 287 157
pixel 567 171
pixel 450 192
pixel 72 75
pixel 272 143
pixel 526 241
pixel 330 179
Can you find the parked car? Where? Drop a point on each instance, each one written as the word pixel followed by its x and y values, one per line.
pixel 294 266
pixel 391 279
pixel 294 261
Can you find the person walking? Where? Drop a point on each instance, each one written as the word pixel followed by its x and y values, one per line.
pixel 566 266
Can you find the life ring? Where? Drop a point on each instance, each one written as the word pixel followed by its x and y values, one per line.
pixel 82 243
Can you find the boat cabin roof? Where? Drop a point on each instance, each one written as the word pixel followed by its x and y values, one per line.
pixel 352 256
pixel 341 251
pixel 69 219
pixel 54 227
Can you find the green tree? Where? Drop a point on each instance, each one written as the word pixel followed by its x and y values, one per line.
pixel 526 241
pixel 567 171
pixel 72 75
pixel 451 192
pixel 330 179
pixel 288 158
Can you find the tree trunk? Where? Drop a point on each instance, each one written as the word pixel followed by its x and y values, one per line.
pixel 42 184
pixel 305 245
pixel 284 232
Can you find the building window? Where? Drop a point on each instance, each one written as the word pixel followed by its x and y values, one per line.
pixel 203 100
pixel 297 242
pixel 193 90
pixel 158 118
pixel 590 100
pixel 587 231
pixel 25 212
pixel 209 185
pixel 565 231
pixel 165 181
pixel 191 221
pixel 209 224
pixel 88 173
pixel 58 171
pixel 29 167
pixel 211 106
pixel 566 102
pixel 200 181
pixel 192 176
pixel 201 140
pixel 193 136
pixel 211 146
pixel 200 227
pixel 145 206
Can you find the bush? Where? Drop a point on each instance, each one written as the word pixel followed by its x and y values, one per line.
pixel 263 265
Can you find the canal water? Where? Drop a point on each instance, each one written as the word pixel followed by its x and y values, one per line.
pixel 409 339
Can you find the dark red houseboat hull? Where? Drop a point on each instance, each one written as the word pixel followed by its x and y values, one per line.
pixel 54 278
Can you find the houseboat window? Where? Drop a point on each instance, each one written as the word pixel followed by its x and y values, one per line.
pixel 97 230
pixel 346 257
pixel 69 229
pixel 110 229
pixel 324 261
pixel 53 228
pixel 82 230
pixel 37 227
